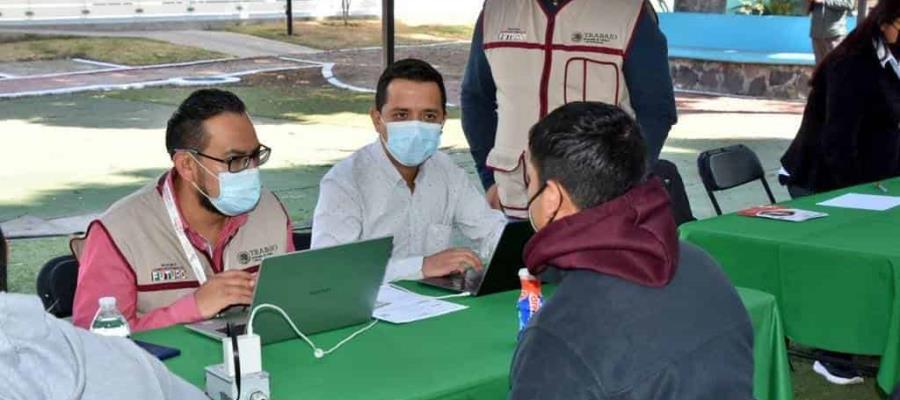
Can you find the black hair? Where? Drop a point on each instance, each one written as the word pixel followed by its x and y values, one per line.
pixel 594 150
pixel 860 40
pixel 413 70
pixel 185 127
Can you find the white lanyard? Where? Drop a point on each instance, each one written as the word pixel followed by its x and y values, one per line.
pixel 186 245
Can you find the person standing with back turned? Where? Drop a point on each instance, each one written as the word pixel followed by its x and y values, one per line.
pixel 528 57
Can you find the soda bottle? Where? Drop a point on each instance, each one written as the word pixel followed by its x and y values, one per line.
pixel 530 299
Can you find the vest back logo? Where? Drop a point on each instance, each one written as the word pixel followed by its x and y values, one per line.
pixel 594 37
pixel 168 273
pixel 513 35
pixel 255 256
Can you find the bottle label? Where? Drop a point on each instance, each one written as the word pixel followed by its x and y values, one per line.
pixel 530 301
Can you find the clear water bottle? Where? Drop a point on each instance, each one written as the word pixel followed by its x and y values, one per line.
pixel 109 321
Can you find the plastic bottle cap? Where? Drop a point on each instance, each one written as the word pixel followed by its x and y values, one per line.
pixel 107 302
pixel 523 273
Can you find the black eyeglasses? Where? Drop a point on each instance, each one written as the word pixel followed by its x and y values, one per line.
pixel 239 163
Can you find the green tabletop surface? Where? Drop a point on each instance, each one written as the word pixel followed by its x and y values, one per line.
pixel 464 355
pixel 836 279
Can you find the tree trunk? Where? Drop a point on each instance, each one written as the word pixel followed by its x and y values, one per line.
pixel 345 11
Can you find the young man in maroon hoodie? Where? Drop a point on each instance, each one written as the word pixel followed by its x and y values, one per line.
pixel 637 315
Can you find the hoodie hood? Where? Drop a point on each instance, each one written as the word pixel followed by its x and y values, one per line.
pixel 632 237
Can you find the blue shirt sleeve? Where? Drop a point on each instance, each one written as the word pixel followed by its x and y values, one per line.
pixel 479 106
pixel 646 70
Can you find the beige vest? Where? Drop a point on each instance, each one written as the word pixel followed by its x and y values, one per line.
pixel 140 228
pixel 540 63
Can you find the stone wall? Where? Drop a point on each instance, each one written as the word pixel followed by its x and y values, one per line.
pixel 789 82
pixel 701 6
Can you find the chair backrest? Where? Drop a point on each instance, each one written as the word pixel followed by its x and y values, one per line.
pixel 729 167
pixel 302 240
pixel 56 285
pixel 681 206
pixel 4 285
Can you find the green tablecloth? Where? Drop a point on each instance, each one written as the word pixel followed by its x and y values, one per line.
pixel 837 279
pixel 771 370
pixel 465 355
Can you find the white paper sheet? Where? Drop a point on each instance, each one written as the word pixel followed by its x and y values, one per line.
pixel 399 306
pixel 863 202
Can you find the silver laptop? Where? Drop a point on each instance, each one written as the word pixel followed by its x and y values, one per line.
pixel 321 290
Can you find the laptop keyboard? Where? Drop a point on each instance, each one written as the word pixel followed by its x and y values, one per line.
pixel 463 282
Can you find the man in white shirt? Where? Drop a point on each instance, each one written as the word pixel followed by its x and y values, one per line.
pixel 402 186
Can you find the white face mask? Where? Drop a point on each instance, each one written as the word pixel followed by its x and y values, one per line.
pixel 411 143
pixel 238 191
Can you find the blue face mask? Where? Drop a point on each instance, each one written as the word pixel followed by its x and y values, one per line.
pixel 412 142
pixel 238 191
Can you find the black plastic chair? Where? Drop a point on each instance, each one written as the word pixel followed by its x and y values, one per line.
pixel 4 285
pixel 302 240
pixel 681 206
pixel 56 285
pixel 728 167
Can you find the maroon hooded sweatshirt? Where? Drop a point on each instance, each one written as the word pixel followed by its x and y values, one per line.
pixel 632 237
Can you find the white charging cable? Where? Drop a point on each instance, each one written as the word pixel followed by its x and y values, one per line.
pixel 317 351
pixel 449 296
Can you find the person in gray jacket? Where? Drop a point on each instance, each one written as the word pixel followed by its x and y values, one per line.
pixel 828 24
pixel 637 314
pixel 42 357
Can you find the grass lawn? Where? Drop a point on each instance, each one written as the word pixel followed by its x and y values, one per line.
pixel 26 256
pixel 332 35
pixel 38 47
pixel 810 386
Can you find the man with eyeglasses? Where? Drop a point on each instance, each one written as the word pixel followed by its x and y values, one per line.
pixel 186 247
pixel 401 185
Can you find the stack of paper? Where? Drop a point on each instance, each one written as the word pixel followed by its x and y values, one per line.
pixel 399 306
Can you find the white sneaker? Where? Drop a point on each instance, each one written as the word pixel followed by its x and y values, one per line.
pixel 837 380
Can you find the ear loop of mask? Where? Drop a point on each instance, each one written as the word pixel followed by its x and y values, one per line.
pixel 558 206
pixel 194 184
pixel 538 194
pixel 383 138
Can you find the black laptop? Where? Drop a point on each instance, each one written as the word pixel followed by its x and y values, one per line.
pixel 500 274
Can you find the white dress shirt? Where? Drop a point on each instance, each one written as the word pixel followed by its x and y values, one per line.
pixel 364 197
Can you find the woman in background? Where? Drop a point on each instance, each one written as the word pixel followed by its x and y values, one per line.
pixel 851 126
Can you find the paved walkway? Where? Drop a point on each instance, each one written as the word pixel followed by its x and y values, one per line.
pixel 117 78
pixel 253 55
pixel 233 44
